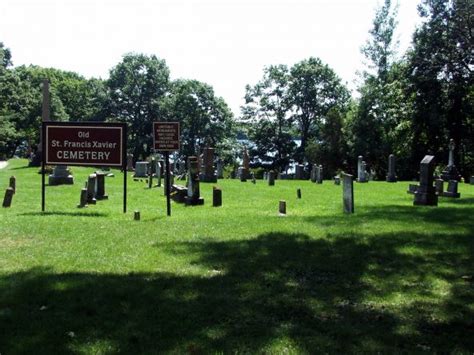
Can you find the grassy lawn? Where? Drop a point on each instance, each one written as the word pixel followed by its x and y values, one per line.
pixel 240 278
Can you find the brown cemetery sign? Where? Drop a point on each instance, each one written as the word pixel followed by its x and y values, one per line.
pixel 85 144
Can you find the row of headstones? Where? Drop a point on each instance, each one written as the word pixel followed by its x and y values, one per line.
pixel 94 190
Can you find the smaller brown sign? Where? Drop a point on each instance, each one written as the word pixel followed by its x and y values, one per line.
pixel 75 144
pixel 166 136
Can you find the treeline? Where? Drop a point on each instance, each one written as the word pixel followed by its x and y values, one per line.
pixel 409 107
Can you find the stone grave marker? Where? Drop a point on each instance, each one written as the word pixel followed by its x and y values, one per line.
pixel 282 207
pixel 220 168
pixel 271 178
pixel 60 176
pixel 299 172
pixel 141 169
pixel 451 172
pixel 83 198
pixel 209 174
pixel 216 197
pixel 361 167
pixel 391 176
pixel 129 162
pixel 347 193
pixel 193 197
pixel 7 199
pixel 91 188
pixel 12 183
pixel 245 171
pixel 412 189
pixel 100 186
pixel 452 190
pixel 425 194
pixel 439 187
pixel 313 173
pixel 337 180
pixel 298 193
pixel 319 174
pixel 471 180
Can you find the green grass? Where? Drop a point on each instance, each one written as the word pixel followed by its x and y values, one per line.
pixel 240 278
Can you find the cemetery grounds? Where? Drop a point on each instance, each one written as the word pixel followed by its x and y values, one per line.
pixel 239 278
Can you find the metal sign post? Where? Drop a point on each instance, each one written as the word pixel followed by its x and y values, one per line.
pixel 166 139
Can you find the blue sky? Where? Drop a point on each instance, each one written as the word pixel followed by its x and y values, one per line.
pixel 225 43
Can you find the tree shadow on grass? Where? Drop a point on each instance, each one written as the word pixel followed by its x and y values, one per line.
pixel 310 295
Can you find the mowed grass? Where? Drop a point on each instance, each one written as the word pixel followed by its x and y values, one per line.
pixel 235 279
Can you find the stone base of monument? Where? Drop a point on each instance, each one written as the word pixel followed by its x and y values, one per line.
pixel 425 198
pixel 60 176
pixel 452 190
pixel 179 193
pixel 35 160
pixel 207 178
pixel 189 201
pixel 412 188
pixel 451 173
pixel 391 178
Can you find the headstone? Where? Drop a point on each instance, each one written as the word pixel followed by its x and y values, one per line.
pixel 299 172
pixel 216 197
pixel 451 172
pixel 452 190
pixel 83 199
pixel 471 180
pixel 100 186
pixel 347 193
pixel 245 166
pixel 193 197
pixel 282 207
pixel 337 180
pixel 265 175
pixel 208 174
pixel 271 178
pixel 91 188
pixel 391 176
pixel 141 169
pixel 298 193
pixel 425 195
pixel 13 183
pixel 60 176
pixel 7 199
pixel 319 175
pixel 313 174
pixel 220 169
pixel 361 167
pixel 136 215
pixel 252 176
pixel 439 187
pixel 129 162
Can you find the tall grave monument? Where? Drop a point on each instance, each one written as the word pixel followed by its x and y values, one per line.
pixel 391 176
pixel 425 194
pixel 361 167
pixel 209 173
pixel 451 172
pixel 193 197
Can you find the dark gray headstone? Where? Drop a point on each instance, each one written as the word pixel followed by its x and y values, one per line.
pixel 439 186
pixel 299 172
pixel 319 174
pixel 313 173
pixel 271 178
pixel 282 207
pixel 298 193
pixel 141 169
pixel 425 195
pixel 451 172
pixel 361 167
pixel 129 162
pixel 216 197
pixel 60 176
pixel 452 190
pixel 83 198
pixel 7 199
pixel 91 188
pixel 13 183
pixel 193 197
pixel 337 180
pixel 391 175
pixel 100 186
pixel 348 193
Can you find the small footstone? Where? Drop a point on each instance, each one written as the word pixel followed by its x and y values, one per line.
pixel 282 207
pixel 136 215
